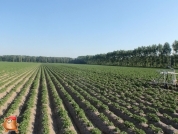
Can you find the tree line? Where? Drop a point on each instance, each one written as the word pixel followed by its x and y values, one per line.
pixel 42 59
pixel 145 56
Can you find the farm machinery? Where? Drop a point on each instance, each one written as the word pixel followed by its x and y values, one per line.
pixel 166 77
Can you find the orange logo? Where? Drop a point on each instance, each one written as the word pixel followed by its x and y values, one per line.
pixel 10 124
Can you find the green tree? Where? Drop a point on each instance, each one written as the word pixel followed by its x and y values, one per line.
pixel 175 51
pixel 166 53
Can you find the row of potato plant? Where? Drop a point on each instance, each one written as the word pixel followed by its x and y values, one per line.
pixel 14 89
pixel 100 116
pixel 66 123
pixel 12 77
pixel 18 100
pixel 13 80
pixel 140 117
pixel 97 102
pixel 79 113
pixel 25 116
pixel 44 105
pixel 9 69
pixel 5 79
pixel 168 109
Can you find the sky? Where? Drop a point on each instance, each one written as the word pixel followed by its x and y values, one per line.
pixel 71 28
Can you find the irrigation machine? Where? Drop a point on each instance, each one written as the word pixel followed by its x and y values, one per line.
pixel 166 77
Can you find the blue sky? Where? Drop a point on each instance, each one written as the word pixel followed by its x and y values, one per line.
pixel 71 28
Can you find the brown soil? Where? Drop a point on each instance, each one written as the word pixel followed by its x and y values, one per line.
pixel 166 128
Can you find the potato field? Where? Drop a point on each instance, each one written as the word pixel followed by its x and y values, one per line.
pixel 86 99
